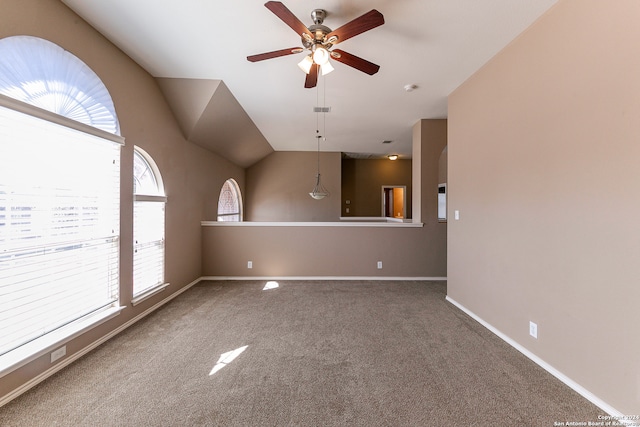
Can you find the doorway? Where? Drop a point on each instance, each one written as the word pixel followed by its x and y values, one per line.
pixel 394 202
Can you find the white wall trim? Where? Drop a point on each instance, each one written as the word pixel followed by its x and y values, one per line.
pixel 75 356
pixel 382 224
pixel 379 278
pixel 618 416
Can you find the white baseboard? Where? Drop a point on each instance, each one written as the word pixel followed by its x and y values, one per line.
pixel 75 356
pixel 544 365
pixel 345 278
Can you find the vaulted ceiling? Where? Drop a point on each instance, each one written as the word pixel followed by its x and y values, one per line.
pixel 191 45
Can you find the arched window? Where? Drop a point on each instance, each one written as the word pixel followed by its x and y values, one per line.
pixel 230 202
pixel 148 226
pixel 59 199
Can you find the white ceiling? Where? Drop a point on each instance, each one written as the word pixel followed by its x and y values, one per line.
pixel 434 44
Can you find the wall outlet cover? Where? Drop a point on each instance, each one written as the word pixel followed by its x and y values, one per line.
pixel 533 329
pixel 57 354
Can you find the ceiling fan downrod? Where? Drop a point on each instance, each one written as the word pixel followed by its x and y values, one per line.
pixel 318 16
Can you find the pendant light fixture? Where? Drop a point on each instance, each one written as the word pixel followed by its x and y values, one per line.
pixel 319 192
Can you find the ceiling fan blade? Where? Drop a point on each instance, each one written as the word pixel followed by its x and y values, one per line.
pixel 366 22
pixel 355 61
pixel 312 77
pixel 281 11
pixel 274 54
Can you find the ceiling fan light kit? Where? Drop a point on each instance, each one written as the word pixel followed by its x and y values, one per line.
pixel 318 40
pixel 326 68
pixel 320 55
pixel 305 64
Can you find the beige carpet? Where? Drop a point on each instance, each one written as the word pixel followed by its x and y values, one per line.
pixel 317 354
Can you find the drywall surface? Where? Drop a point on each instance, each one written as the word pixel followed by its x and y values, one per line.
pixel 544 172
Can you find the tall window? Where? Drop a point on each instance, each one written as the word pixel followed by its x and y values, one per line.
pixel 148 225
pixel 229 202
pixel 59 199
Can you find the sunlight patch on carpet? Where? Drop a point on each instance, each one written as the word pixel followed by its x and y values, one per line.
pixel 226 358
pixel 272 284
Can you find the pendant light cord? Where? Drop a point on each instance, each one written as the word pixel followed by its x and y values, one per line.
pixel 324 116
pixel 319 192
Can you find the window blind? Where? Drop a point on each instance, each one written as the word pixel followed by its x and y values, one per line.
pixel 59 225
pixel 148 248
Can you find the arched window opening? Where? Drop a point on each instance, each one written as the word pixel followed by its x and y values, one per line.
pixel 230 202
pixel 43 74
pixel 148 225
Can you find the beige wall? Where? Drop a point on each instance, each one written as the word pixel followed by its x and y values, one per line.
pixel 310 251
pixel 362 181
pixel 192 176
pixel 278 187
pixel 544 159
pixel 340 251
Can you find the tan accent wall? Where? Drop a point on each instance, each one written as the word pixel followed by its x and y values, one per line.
pixel 544 168
pixel 278 187
pixel 192 175
pixel 362 181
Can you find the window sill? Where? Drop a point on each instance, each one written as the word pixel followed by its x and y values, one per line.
pixel 148 293
pixel 39 347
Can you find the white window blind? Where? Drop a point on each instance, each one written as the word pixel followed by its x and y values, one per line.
pixel 148 250
pixel 148 225
pixel 59 226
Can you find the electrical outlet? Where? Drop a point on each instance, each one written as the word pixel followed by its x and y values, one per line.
pixel 249 264
pixel 379 265
pixel 533 330
pixel 57 354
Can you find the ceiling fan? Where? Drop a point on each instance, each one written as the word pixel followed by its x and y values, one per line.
pixel 319 39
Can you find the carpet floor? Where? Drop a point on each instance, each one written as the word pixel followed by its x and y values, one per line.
pixel 307 353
